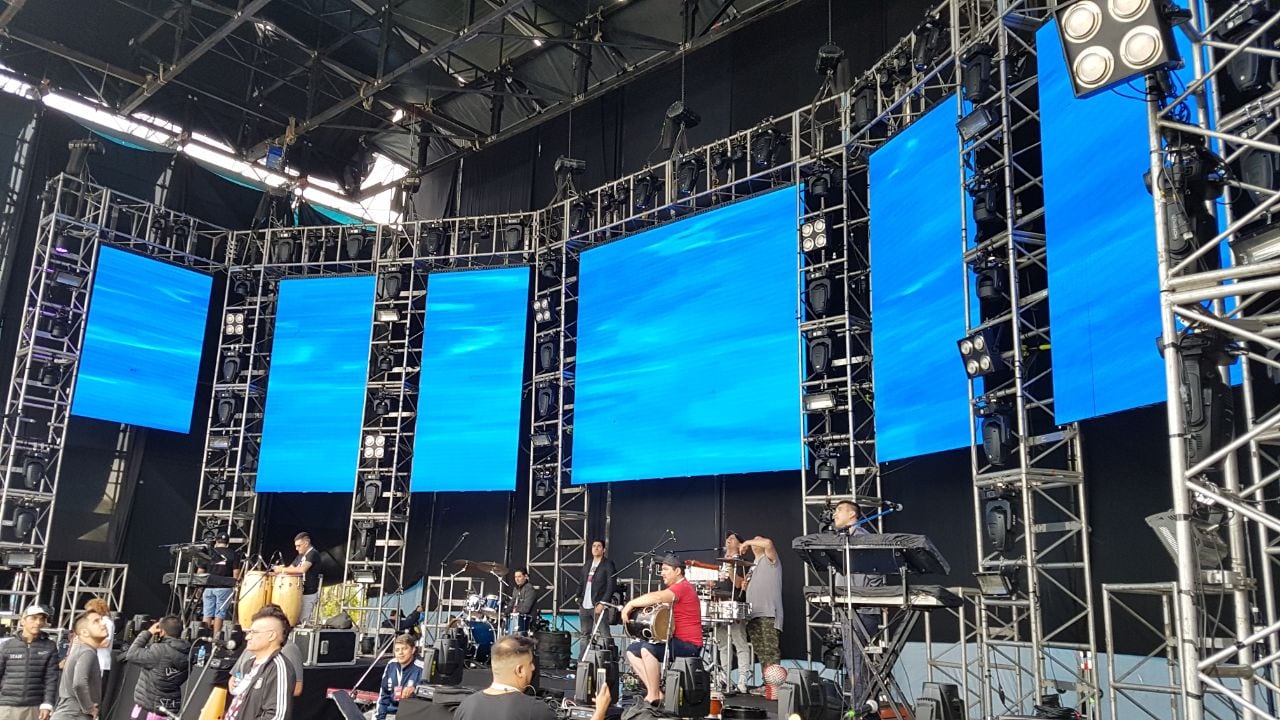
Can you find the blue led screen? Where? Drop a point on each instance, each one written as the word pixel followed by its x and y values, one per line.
pixel 316 393
pixel 1100 238
pixel 473 352
pixel 142 342
pixel 688 357
pixel 917 290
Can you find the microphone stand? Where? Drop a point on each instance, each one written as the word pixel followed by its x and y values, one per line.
pixel 651 553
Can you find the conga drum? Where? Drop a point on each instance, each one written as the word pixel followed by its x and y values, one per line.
pixel 286 591
pixel 255 591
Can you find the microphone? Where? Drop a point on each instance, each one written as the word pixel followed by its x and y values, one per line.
pixel 891 505
pixel 464 534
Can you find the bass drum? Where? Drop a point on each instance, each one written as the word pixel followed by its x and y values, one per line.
pixel 476 636
pixel 255 591
pixel 286 591
pixel 651 624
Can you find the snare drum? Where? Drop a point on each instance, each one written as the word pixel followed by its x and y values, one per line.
pixel 475 603
pixel 730 611
pixel 518 624
pixel 651 624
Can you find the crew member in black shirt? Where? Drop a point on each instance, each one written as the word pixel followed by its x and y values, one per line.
pixel 524 599
pixel 223 562
pixel 505 699
pixel 306 564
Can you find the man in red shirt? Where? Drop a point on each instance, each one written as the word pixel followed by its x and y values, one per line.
pixel 686 635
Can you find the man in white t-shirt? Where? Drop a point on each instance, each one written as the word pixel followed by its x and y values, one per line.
pixel 597 588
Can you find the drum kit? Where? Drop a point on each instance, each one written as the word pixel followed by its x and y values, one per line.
pixel 480 624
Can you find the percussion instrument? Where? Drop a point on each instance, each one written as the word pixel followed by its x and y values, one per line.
pixel 485 606
pixel 651 624
pixel 255 591
pixel 730 611
pixel 475 603
pixel 286 591
pixel 696 571
pixel 477 567
pixel 518 624
pixel 476 636
pixel 215 705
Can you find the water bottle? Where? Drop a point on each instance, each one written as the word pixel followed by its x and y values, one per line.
pixel 201 654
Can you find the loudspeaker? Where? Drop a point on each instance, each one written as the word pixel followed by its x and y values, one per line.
pixel 687 688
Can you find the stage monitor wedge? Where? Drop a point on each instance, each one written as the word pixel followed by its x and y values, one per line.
pixel 473 353
pixel 142 342
pixel 917 289
pixel 317 387
pixel 688 356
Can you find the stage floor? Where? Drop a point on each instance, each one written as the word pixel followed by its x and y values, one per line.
pixel 314 705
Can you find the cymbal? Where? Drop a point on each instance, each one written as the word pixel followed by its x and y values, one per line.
pixel 480 567
pixel 736 561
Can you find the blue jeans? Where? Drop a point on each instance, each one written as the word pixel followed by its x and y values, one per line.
pixel 679 648
pixel 217 603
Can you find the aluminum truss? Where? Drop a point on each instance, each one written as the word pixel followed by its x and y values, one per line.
pixel 76 217
pixel 1227 313
pixel 557 542
pixel 1040 639
pixel 85 580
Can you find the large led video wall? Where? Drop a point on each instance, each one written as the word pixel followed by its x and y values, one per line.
pixel 1100 235
pixel 473 353
pixel 688 357
pixel 917 290
pixel 316 392
pixel 142 342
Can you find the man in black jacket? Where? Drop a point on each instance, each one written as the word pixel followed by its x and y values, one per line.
pixel 29 670
pixel 265 691
pixel 163 656
pixel 597 588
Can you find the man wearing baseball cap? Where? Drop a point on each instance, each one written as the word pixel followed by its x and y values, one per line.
pixel 225 562
pixel 686 635
pixel 28 669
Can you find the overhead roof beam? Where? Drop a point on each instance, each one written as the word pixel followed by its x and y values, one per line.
pixel 153 84
pixel 384 82
pixel 74 56
pixel 7 16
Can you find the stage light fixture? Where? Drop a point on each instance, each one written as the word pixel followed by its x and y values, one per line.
pixel 1250 72
pixel 215 492
pixel 821 179
pixel 1107 46
pixel 1001 583
pixel 371 491
pixel 249 456
pixel 285 247
pixel 928 43
pixel 720 161
pixel 387 315
pixel 433 242
pixel 224 408
pixel 68 279
pixel 159 227
pixel 390 282
pixel 233 323
pixel 998 441
pixel 513 234
pixel 999 519
pixel 980 353
pixel 60 326
pixel 34 465
pixel 21 559
pixel 65 243
pixel 366 540
pixel 1260 168
pixel 813 235
pixel 232 364
pixel 988 204
pixel 1208 406
pixel 382 405
pixel 1211 549
pixel 354 242
pixel 544 400
pixel 24 522
pixel 864 103
pixel 975 73
pixel 543 538
pixel 374 446
pixel 826 469
pixel 220 442
pixel 181 229
pixel 688 173
pixel 543 312
pixel 548 355
pixel 579 214
pixel 385 362
pixel 816 401
pixel 569 167
pixel 829 58
pixel 645 191
pixel 679 117
pixel 820 349
pixel 981 119
pixel 989 282
pixel 549 268
pixel 364 576
pixel 542 439
pixel 766 147
pixel 1257 247
pixel 819 294
pixel 241 285
pixel 51 375
pixel 541 487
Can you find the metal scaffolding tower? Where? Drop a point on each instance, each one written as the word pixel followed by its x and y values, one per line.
pixel 1219 134
pixel 1027 473
pixel 76 218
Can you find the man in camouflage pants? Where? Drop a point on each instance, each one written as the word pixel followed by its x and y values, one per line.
pixel 764 594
